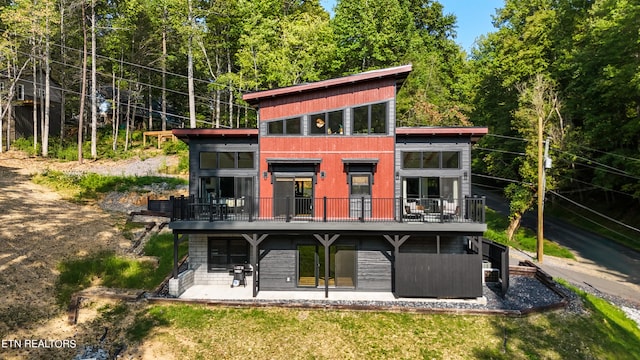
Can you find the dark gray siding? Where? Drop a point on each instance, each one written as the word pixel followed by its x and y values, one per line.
pixel 222 144
pixel 374 265
pixel 439 275
pixel 277 265
pixel 435 144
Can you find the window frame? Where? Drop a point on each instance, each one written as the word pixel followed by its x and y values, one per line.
pixel 284 126
pixel 424 164
pixel 369 111
pixel 326 116
pixel 218 163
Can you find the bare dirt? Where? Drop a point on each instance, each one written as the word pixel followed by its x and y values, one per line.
pixel 39 229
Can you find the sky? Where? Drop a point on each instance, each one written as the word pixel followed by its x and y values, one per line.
pixel 473 17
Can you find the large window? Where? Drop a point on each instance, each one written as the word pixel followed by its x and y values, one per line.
pixel 328 123
pixel 432 187
pixel 370 119
pixel 431 160
pixel 226 187
pixel 284 127
pixel 224 253
pixel 226 160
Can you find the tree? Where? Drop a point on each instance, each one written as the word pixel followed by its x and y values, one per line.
pixel 538 105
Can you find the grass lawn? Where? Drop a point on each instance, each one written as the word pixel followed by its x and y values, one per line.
pixel 199 332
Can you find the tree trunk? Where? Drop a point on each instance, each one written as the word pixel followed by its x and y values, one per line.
pixel 126 137
pixel 192 99
pixel 514 225
pixel 63 72
pixel 83 91
pixel 114 125
pixel 164 70
pixel 35 97
pixel 94 114
pixel 47 93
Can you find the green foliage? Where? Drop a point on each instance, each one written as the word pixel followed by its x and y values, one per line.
pixel 524 239
pixel 90 185
pixel 26 145
pixel 175 147
pixel 115 271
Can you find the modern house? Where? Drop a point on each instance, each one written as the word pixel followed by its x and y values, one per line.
pixel 23 103
pixel 327 194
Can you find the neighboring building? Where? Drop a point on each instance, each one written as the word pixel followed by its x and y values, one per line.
pixel 23 102
pixel 328 194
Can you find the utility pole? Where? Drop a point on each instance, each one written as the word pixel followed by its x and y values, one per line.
pixel 540 241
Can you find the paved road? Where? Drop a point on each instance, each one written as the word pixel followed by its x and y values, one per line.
pixel 601 264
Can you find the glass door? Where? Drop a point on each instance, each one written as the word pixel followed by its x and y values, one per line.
pixel 360 196
pixel 308 266
pixel 293 196
pixel 303 196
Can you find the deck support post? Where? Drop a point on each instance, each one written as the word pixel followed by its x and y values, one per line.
pixel 326 241
pixel 176 242
pixel 396 242
pixel 255 240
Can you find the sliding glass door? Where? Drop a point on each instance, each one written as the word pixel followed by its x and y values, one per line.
pixel 311 266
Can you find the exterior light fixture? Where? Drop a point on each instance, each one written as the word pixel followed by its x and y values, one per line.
pixel 322 175
pixel 264 175
pixel 465 175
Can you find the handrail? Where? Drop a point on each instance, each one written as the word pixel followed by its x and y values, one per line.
pixel 324 209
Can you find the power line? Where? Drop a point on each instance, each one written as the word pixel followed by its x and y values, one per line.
pixel 501 151
pixel 595 222
pixel 593 161
pixel 507 137
pixel 502 179
pixel 595 212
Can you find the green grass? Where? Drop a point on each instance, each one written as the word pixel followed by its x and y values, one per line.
pixel 90 185
pixel 195 332
pixel 110 270
pixel 524 239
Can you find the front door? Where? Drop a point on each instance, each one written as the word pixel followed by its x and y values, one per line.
pixel 293 196
pixel 360 196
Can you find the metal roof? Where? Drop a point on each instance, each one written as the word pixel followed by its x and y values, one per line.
pixel 399 73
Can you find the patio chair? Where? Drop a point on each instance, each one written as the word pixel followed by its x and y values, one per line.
pixel 411 212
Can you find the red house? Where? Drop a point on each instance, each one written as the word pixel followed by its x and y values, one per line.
pixel 329 195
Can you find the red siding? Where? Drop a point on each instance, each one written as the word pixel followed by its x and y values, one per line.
pixel 327 99
pixel 332 150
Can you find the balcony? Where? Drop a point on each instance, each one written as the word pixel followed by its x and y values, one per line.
pixel 470 210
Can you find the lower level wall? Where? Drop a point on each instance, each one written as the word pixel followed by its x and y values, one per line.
pixel 182 283
pixel 279 258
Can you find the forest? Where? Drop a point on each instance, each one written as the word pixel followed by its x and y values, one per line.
pixel 570 68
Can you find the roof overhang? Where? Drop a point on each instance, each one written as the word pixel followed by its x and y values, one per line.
pixel 186 134
pixel 473 132
pixel 399 73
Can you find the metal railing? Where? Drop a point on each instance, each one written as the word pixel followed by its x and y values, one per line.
pixel 324 209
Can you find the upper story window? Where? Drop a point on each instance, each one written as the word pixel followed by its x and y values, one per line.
pixel 284 127
pixel 370 119
pixel 226 160
pixel 431 159
pixel 328 123
pixel 20 92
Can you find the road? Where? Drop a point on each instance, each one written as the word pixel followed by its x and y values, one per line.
pixel 600 263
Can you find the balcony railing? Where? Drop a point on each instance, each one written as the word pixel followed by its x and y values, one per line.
pixel 301 209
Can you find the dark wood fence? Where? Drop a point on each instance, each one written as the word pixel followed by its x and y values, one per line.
pixel 498 255
pixel 438 275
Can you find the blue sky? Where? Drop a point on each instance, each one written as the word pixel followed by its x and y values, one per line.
pixel 473 17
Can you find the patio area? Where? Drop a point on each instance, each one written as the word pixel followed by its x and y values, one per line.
pixel 241 293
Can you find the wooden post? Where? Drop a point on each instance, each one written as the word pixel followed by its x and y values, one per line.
pixel 326 242
pixel 255 241
pixel 176 241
